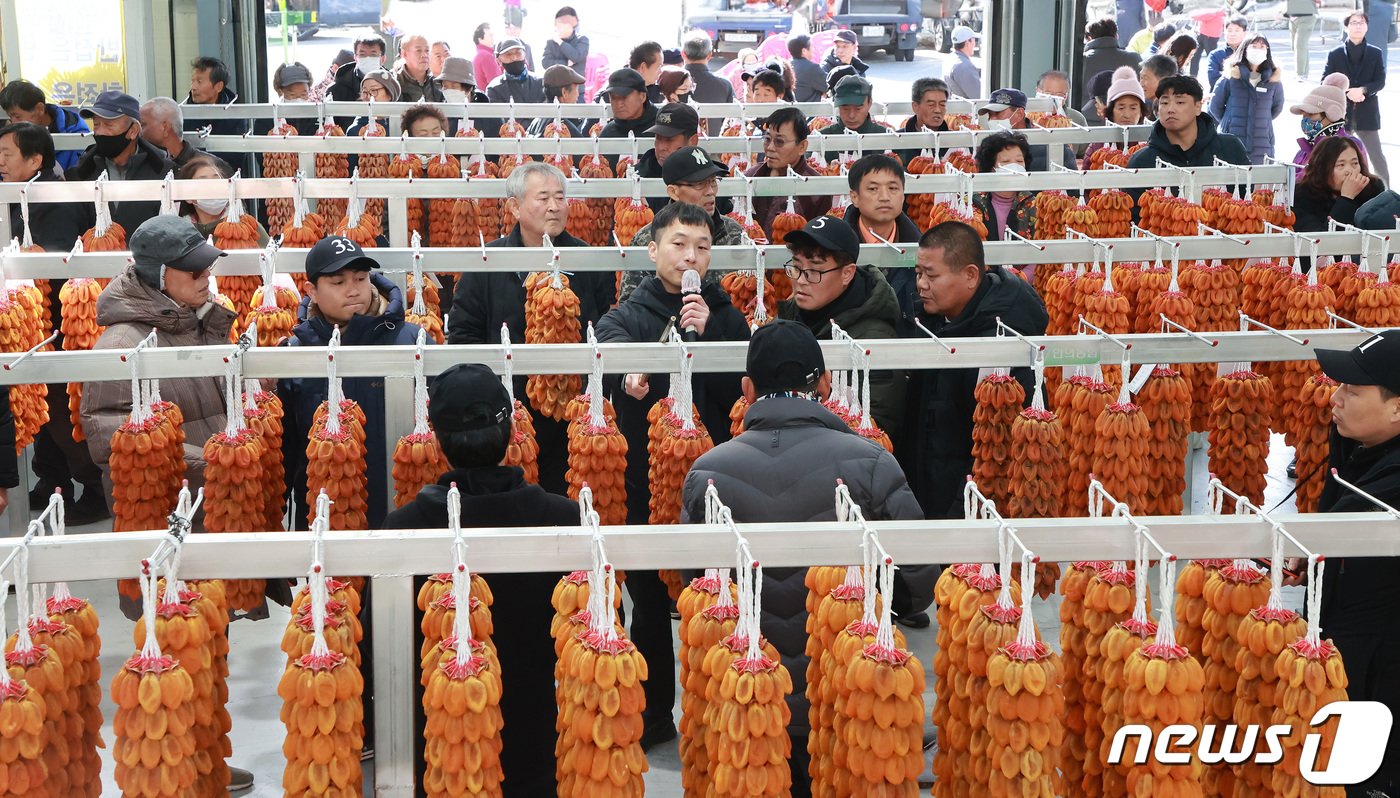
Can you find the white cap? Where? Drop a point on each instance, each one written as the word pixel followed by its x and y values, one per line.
pixel 962 33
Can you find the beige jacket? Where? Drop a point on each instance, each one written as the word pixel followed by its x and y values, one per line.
pixel 129 309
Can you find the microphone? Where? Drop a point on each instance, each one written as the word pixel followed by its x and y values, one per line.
pixel 690 285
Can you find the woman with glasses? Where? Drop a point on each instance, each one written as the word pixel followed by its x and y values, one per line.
pixel 828 287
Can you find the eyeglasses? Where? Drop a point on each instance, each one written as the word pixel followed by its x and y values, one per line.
pixel 811 276
pixel 712 182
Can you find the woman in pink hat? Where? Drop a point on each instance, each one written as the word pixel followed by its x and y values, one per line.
pixel 1125 104
pixel 1324 113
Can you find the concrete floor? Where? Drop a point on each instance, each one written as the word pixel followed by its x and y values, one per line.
pixel 256 663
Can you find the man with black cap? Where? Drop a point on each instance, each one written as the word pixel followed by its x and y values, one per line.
pixel 631 111
pixel 676 126
pixel 344 290
pixel 828 286
pixel 515 83
pixel 166 288
pixel 658 306
pixel 960 297
pixel 470 411
pixel 1362 593
pixel 784 468
pixel 121 153
pixel 1006 110
pixel 561 84
pixel 845 51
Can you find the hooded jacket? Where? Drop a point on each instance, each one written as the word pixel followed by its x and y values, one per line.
pixel 1247 110
pixel 483 301
pixel 901 279
pixel 784 468
pixel 1210 143
pixel 648 316
pixel 129 308
pixel 498 496
pixel 873 319
pixel 383 326
pixel 66 120
pixel 937 452
pixel 147 162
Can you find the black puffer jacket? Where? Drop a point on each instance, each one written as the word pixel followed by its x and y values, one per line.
pixel 54 226
pixel 302 395
pixel 900 278
pixel 1361 593
pixel 228 126
pixel 784 468
pixel 483 301
pixel 937 451
pixel 619 128
pixel 647 317
pixel 148 162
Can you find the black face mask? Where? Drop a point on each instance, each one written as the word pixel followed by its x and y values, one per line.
pixel 683 98
pixel 111 146
pixel 515 68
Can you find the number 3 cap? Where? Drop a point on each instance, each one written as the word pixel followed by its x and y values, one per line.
pixel 334 253
pixel 1373 362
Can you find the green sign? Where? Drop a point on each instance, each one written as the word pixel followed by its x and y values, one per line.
pixel 1069 354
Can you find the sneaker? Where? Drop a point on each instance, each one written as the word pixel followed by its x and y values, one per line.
pixel 90 508
pixel 918 620
pixel 655 735
pixel 366 754
pixel 40 493
pixel 239 779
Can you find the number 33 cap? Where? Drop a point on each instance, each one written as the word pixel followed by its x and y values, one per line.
pixel 334 253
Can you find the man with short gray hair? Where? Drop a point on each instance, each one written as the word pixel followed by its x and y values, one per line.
pixel 483 301
pixel 162 123
pixel 415 74
pixel 709 87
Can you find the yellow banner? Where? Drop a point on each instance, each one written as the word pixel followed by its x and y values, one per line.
pixel 72 49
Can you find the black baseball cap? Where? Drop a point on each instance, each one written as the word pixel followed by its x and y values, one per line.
pixel 1003 99
pixel 1372 362
pixel 675 119
pixel 784 356
pixel 467 396
pixel 113 105
pixel 174 242
pixel 829 234
pixel 335 253
pixel 625 81
pixel 690 165
pixel 848 36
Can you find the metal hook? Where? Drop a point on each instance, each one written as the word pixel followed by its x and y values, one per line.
pixel 1385 508
pixel 950 349
pixel 1084 324
pixel 1003 329
pixel 1166 322
pixel 1348 322
pixel 30 351
pixel 1246 320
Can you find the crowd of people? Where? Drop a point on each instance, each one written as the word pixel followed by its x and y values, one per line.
pixel 783 467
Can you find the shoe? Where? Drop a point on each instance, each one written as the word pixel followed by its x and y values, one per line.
pixel 675 612
pixel 918 620
pixel 653 736
pixel 1292 470
pixel 239 779
pixel 40 493
pixel 90 508
pixel 366 754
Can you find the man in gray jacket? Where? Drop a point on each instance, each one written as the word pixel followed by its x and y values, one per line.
pixel 784 468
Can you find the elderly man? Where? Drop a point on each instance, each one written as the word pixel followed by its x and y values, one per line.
pixel 561 85
pixel 22 101
pixel 631 111
pixel 438 54
pixel 120 152
pixel 852 101
pixel 696 51
pixel 162 124
pixel 1007 111
pixel 209 85
pixel 785 147
pixel 515 83
pixel 483 301
pixel 415 75
pixel 930 99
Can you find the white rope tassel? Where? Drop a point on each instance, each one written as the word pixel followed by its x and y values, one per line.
pixel 420 387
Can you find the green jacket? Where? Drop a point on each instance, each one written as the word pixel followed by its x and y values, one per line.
pixel 871 321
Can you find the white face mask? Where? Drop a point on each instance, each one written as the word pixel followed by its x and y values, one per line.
pixel 454 96
pixel 1013 168
pixel 215 207
pixel 1256 55
pixel 998 124
pixel 367 64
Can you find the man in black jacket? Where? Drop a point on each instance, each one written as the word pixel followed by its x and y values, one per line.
pixel 27 152
pixel 515 83
pixel 709 87
pixel 1358 605
pixel 209 79
pixel 930 98
pixel 845 51
pixel 877 212
pixel 675 125
pixel 962 298
pixel 784 468
pixel 568 47
pixel 1364 66
pixel 370 52
pixel 471 417
pixel 681 241
pixel 632 112
pixel 483 301
pixel 810 79
pixel 119 152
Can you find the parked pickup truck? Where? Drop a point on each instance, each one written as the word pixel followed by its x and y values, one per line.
pixel 889 25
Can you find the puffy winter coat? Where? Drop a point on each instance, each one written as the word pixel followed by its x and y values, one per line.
pixel 784 468
pixel 383 326
pixel 900 278
pixel 647 317
pixel 1103 55
pixel 873 318
pixel 1248 110
pixel 937 451
pixel 1361 592
pixel 129 309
